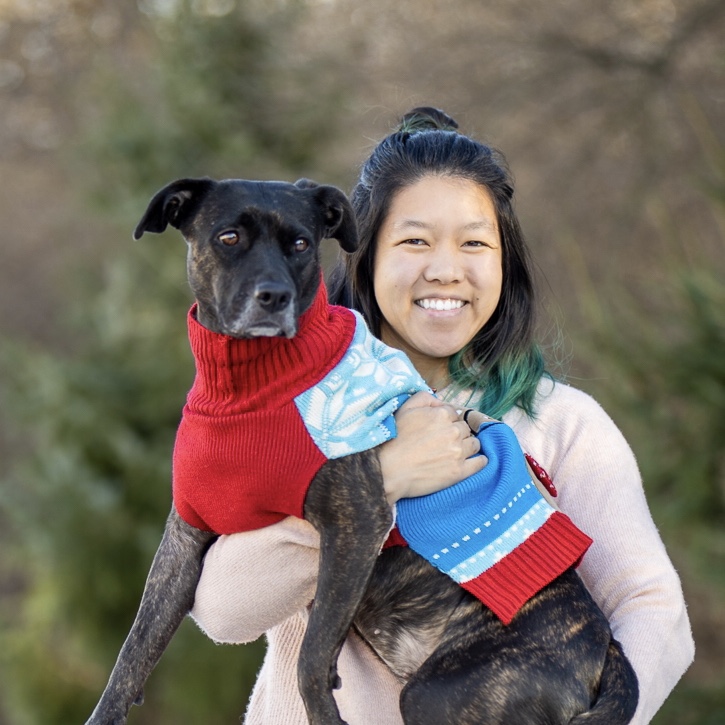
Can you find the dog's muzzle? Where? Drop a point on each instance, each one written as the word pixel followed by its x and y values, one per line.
pixel 269 312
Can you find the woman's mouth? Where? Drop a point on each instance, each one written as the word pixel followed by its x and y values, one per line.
pixel 440 304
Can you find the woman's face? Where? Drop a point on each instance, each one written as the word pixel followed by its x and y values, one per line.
pixel 438 270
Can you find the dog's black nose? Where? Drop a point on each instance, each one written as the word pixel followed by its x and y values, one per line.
pixel 272 297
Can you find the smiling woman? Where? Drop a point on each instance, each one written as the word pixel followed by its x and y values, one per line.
pixel 438 271
pixel 421 186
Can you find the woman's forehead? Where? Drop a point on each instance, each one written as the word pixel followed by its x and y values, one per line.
pixel 432 201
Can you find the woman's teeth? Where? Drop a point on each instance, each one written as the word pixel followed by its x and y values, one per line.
pixel 438 304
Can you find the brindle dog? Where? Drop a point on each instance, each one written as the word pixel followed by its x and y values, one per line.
pixel 254 268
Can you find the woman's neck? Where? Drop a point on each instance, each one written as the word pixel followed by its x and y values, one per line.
pixel 433 371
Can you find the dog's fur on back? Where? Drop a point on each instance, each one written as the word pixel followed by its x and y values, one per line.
pixel 254 269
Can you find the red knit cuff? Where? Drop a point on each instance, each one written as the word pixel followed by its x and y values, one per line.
pixel 545 555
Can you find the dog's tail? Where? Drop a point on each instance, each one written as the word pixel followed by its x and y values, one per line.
pixel 618 692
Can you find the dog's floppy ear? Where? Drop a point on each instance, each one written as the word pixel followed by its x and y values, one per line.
pixel 339 217
pixel 171 204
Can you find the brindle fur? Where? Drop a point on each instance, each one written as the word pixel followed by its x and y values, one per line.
pixel 555 663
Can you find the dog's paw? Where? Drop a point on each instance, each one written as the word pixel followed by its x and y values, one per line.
pixel 333 680
pixel 331 718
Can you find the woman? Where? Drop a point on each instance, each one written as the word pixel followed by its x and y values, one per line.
pixel 442 273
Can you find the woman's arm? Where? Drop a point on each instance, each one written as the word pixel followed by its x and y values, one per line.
pixel 627 569
pixel 254 580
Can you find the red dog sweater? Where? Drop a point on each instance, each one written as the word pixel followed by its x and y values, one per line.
pixel 264 414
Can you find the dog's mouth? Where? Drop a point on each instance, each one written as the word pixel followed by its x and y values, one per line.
pixel 252 320
pixel 266 331
pixel 247 329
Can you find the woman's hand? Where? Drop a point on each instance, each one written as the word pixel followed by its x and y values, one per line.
pixel 432 449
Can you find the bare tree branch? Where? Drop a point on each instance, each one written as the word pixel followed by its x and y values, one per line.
pixel 659 64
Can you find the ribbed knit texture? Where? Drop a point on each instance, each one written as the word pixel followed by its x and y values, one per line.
pixel 493 532
pixel 243 458
pixel 265 414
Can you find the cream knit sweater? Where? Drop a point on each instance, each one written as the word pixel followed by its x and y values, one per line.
pixel 263 581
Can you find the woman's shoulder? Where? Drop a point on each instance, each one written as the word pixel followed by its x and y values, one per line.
pixel 556 401
pixel 564 416
pixel 554 397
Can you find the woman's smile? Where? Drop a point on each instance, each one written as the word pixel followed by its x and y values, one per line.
pixel 440 305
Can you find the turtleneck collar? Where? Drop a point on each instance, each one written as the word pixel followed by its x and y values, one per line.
pixel 242 374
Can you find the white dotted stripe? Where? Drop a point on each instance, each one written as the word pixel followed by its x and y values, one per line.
pixel 474 565
pixel 495 517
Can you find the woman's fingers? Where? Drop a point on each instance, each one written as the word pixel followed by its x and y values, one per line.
pixel 424 400
pixel 434 448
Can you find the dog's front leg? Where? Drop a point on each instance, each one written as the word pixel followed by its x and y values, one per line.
pixel 346 503
pixel 167 598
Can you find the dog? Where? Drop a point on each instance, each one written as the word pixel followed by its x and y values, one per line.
pixel 254 269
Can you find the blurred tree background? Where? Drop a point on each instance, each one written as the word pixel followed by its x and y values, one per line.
pixel 612 118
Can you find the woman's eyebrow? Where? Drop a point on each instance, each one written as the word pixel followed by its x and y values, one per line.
pixel 414 223
pixel 486 224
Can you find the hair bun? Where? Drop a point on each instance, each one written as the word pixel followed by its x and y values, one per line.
pixel 426 118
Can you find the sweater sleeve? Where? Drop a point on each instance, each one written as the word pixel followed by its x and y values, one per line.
pixel 627 569
pixel 255 580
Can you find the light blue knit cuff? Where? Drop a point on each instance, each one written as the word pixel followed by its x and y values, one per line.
pixel 350 410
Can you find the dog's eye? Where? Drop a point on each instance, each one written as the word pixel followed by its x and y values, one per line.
pixel 229 238
pixel 301 245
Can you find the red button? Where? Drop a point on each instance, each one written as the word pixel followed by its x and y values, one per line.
pixel 542 475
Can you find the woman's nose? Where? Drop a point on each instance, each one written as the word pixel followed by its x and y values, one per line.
pixel 443 265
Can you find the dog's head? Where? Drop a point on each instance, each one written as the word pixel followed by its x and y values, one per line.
pixel 254 257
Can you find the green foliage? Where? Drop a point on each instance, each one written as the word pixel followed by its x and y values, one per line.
pixel 94 427
pixel 89 505
pixel 221 96
pixel 693 706
pixel 665 348
pixel 673 392
pixel 670 400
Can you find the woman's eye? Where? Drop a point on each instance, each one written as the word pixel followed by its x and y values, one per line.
pixel 301 245
pixel 229 238
pixel 414 242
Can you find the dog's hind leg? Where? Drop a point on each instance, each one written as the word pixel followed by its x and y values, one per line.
pixel 618 692
pixel 167 598
pixel 346 503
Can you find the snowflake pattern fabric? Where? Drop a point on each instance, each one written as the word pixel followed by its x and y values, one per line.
pixel 351 408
